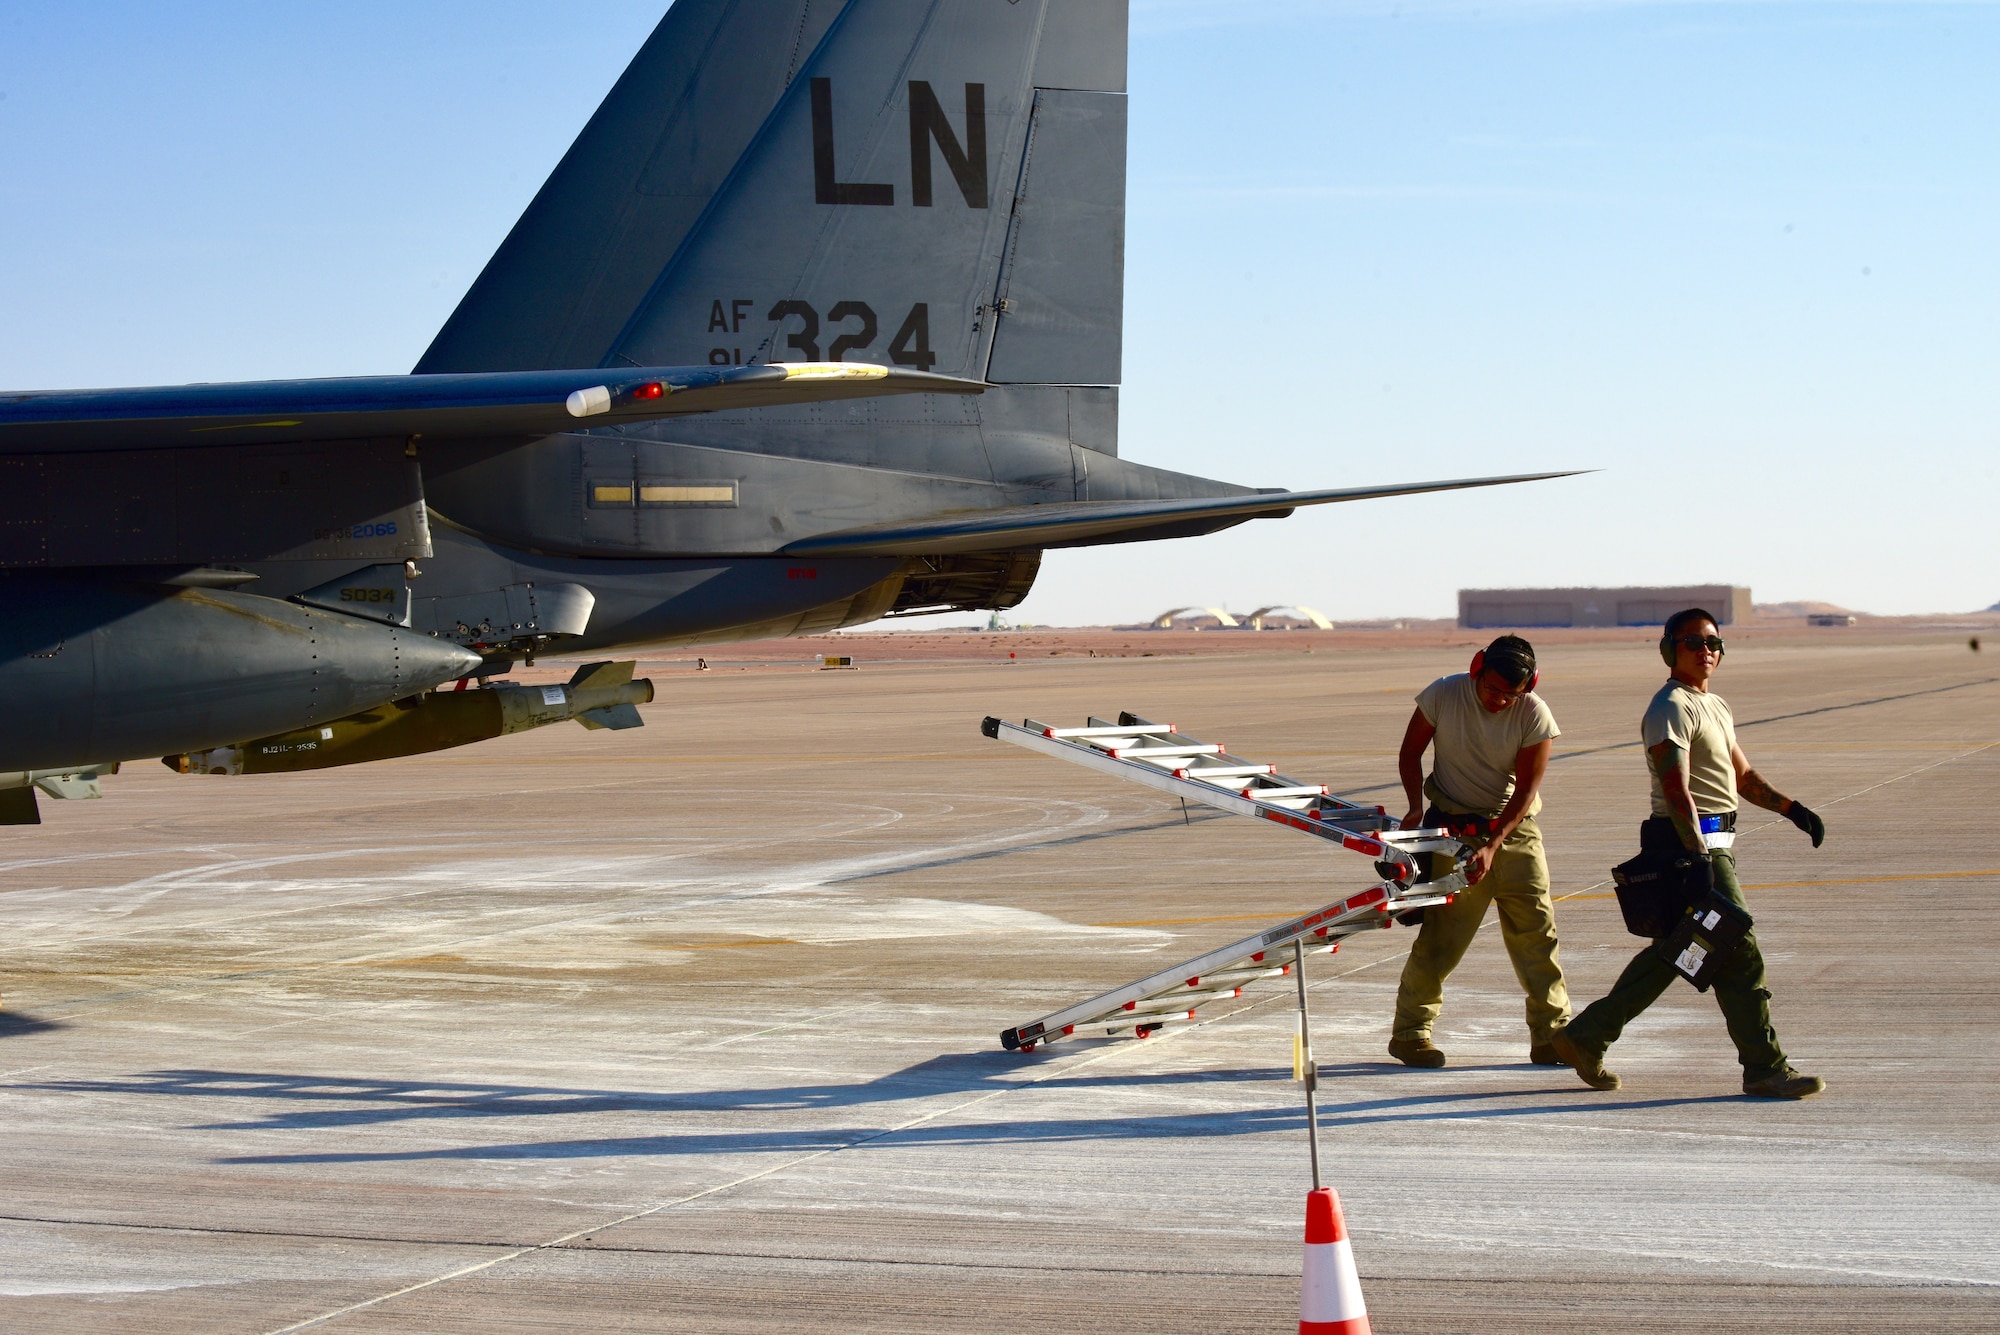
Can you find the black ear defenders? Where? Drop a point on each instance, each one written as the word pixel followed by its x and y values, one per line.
pixel 1534 674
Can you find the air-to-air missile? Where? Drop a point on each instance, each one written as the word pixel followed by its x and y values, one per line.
pixel 600 695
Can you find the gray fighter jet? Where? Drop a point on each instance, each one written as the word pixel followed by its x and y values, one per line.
pixel 817 322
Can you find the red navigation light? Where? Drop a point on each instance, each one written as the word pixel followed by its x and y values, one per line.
pixel 652 389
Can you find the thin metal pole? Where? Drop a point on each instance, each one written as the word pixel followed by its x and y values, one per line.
pixel 1311 1071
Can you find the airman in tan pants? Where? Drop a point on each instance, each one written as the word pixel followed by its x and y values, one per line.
pixel 1493 738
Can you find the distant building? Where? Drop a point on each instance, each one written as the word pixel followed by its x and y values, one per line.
pixel 1479 609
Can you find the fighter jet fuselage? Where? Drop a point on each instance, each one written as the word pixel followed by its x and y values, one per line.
pixel 818 321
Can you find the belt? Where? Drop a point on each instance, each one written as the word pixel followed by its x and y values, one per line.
pixel 1719 831
pixel 1469 827
pixel 1461 825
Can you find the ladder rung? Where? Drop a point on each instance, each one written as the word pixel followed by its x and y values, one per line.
pixel 1158 756
pixel 1236 977
pixel 1174 1001
pixel 1115 1023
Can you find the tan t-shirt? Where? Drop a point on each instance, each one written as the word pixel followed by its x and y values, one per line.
pixel 1472 763
pixel 1699 723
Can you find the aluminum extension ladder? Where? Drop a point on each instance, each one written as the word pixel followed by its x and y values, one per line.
pixel 1156 755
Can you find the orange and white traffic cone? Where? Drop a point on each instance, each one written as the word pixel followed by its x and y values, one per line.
pixel 1330 1303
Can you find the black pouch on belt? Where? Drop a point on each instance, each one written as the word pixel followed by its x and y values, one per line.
pixel 1705 938
pixel 1654 888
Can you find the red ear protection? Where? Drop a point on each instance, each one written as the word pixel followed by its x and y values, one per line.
pixel 1479 666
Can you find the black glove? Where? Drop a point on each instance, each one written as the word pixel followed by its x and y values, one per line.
pixel 1806 819
pixel 1697 877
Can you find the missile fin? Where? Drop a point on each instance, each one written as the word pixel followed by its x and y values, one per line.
pixel 613 716
pixel 603 674
pixel 18 807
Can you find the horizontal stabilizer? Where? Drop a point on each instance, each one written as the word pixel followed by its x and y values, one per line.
pixel 522 404
pixel 1081 523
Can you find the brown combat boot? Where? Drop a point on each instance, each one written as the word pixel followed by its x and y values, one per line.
pixel 1416 1052
pixel 1786 1084
pixel 1544 1054
pixel 1589 1066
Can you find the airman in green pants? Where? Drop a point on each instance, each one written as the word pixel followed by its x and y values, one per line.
pixel 1699 772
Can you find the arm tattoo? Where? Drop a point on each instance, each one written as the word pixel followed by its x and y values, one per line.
pixel 1669 765
pixel 1752 788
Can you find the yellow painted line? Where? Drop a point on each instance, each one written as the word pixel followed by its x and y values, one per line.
pixel 1181 922
pixel 684 760
pixel 199 970
pixel 1766 747
pixel 1873 880
pixel 244 426
pixel 1844 880
pixel 414 960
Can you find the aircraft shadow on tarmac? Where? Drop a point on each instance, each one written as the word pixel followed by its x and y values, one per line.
pixel 13 1024
pixel 347 1104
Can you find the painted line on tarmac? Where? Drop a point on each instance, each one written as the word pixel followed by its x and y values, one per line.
pixel 1802 713
pixel 1053 1069
pixel 1752 723
pixel 1842 880
pixel 778 1028
pixel 1056 818
pixel 1588 891
pixel 204 875
pixel 23 1070
pixel 1004 1267
pixel 829 758
pixel 1181 922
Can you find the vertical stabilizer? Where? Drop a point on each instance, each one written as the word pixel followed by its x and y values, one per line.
pixel 591 245
pixel 927 183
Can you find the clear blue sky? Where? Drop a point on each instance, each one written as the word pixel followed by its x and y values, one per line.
pixel 1744 258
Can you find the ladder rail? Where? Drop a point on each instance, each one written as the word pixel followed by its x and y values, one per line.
pixel 1328 820
pixel 1366 910
pixel 1206 773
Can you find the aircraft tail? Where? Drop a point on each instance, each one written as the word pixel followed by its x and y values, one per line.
pixel 937 184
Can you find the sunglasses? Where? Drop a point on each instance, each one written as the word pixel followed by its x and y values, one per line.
pixel 1712 643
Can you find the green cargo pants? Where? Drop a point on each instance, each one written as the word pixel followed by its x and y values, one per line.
pixel 1739 989
pixel 1518 886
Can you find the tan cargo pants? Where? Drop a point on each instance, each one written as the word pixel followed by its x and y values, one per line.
pixel 1518 885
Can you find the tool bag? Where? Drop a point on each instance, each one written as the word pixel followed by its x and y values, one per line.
pixel 1657 887
pixel 1654 889
pixel 1706 935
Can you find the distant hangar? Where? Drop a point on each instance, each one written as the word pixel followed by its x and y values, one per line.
pixel 1480 609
